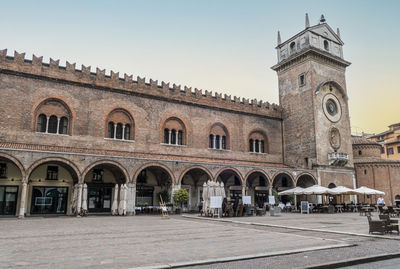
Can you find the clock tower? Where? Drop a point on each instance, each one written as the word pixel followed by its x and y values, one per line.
pixel 312 92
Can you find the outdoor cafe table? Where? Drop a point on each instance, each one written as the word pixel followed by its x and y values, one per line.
pixel 366 209
pixel 339 208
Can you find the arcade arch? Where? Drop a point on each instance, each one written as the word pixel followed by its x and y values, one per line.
pixel 192 180
pixel 11 177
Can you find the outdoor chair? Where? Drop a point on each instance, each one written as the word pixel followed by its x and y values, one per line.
pixel 391 212
pixel 261 211
pixel 228 210
pixel 390 224
pixel 376 226
pixel 239 211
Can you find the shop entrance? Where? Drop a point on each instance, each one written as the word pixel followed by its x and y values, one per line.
pixel 49 200
pixel 99 198
pixel 8 200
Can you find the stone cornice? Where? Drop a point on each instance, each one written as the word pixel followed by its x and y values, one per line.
pixel 312 53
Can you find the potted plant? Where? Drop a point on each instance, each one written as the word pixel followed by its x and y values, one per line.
pixel 180 197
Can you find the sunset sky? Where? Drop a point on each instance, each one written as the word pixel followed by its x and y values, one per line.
pixel 224 46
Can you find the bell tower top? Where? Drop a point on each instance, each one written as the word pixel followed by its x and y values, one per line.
pixel 319 38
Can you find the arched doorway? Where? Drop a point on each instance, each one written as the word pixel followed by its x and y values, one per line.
pixel 51 182
pixel 193 181
pixel 10 186
pixel 332 198
pixel 101 179
pixel 305 181
pixel 233 184
pixel 152 182
pixel 281 182
pixel 258 188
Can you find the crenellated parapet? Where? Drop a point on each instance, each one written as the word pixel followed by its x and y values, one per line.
pixel 18 64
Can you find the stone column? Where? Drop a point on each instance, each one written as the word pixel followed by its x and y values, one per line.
pixel 47 124
pixel 254 145
pixel 123 132
pixel 115 131
pixel 58 125
pixel 215 142
pixel 220 142
pixel 270 190
pixel 79 203
pixel 243 190
pixel 169 137
pixel 176 138
pixel 22 201
pixel 259 147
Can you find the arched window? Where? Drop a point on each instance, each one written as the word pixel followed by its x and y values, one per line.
pixel 211 141
pixel 217 142
pixel 53 116
pixel 53 122
pixel 63 128
pixel 174 132
pixel 120 125
pixel 180 135
pixel 127 134
pixel 173 137
pixel 218 137
pixel 326 45
pixel 41 123
pixel 110 130
pixel 118 134
pixel 257 142
pixel 292 47
pixel 166 136
pixel 223 142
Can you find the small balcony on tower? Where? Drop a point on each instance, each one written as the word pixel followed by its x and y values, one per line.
pixel 338 158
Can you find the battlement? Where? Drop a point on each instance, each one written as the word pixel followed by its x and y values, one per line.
pixel 53 70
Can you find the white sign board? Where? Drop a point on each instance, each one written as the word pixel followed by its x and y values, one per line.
pixel 247 200
pixel 271 199
pixel 216 202
pixel 304 207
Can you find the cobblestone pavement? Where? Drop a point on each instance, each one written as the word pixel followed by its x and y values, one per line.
pixel 365 246
pixel 126 242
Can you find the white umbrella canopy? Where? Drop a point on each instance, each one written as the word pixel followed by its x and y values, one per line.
pixel 84 198
pixel 122 200
pixel 114 207
pixel 368 191
pixel 343 190
pixel 317 190
pixel 295 191
pixel 223 194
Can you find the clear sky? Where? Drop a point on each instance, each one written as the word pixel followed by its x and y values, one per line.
pixel 224 46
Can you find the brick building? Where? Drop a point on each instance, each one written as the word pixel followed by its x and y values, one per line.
pixel 390 142
pixel 68 136
pixel 374 171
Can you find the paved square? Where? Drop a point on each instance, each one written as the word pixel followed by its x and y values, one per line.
pixel 126 242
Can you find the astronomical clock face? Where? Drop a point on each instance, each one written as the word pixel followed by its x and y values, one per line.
pixel 332 107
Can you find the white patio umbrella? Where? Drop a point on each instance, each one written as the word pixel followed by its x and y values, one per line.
pixel 341 190
pixel 317 190
pixel 122 201
pixel 205 197
pixel 295 191
pixel 84 198
pixel 114 207
pixel 222 188
pixel 368 191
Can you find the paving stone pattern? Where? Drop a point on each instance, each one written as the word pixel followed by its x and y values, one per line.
pixel 126 242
